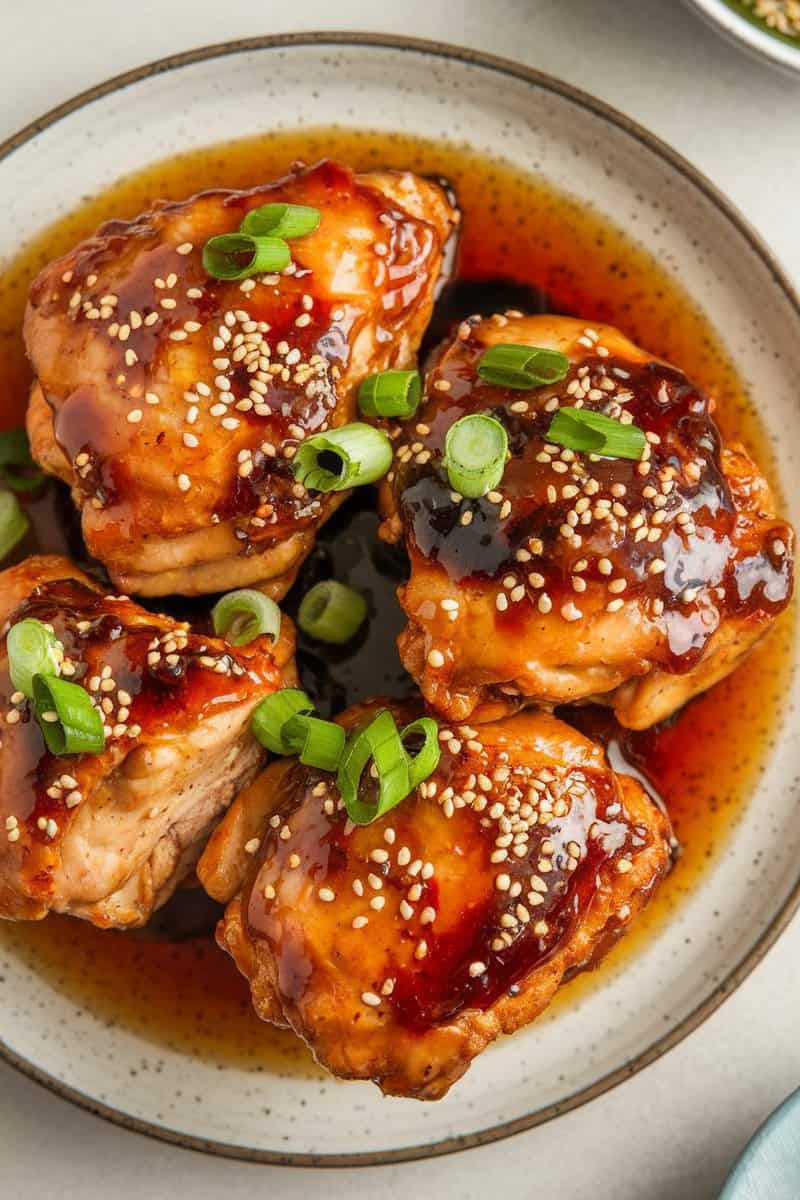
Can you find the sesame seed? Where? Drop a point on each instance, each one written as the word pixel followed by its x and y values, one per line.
pixel 435 658
pixel 252 846
pixel 135 416
pixel 371 999
pixel 327 894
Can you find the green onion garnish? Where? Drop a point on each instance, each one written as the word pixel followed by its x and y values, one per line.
pixel 475 453
pixel 331 612
pixel 18 471
pixel 594 433
pixel 32 650
pixel 281 220
pixel 274 713
pixel 342 458
pixel 285 725
pixel 238 255
pixel 522 367
pixel 244 615
pixel 13 523
pixel 318 743
pixel 390 394
pixel 69 721
pixel 397 773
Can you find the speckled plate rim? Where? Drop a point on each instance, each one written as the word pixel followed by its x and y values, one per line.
pixel 790 905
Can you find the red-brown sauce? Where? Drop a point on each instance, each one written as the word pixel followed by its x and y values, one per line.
pixel 170 984
pixel 509 930
pixel 726 578
pixel 139 698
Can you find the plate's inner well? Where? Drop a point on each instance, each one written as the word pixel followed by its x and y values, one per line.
pixel 523 246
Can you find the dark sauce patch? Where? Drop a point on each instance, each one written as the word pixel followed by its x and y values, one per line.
pixel 181 991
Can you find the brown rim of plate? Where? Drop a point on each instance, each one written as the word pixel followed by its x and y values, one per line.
pixel 790 905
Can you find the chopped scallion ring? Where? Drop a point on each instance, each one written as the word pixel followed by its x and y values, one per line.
pixel 32 650
pixel 522 367
pixel 239 255
pixel 331 612
pixel 284 724
pixel 13 523
pixel 270 719
pixel 594 433
pixel 281 220
pixel 243 615
pixel 475 453
pixel 390 394
pixel 69 721
pixel 342 458
pixel 318 743
pixel 397 773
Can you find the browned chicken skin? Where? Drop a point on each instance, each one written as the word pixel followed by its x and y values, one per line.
pixel 109 836
pixel 173 403
pixel 399 950
pixel 636 584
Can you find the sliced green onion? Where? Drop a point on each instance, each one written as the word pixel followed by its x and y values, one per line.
pixel 390 394
pixel 273 714
pixel 475 453
pixel 595 433
pixel 32 650
pixel 397 773
pixel 244 615
pixel 17 469
pixel 342 458
pixel 281 220
pixel 13 523
pixel 522 367
pixel 426 760
pixel 331 612
pixel 318 743
pixel 285 725
pixel 237 255
pixel 69 721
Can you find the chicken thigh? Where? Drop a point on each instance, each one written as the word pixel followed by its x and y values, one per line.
pixel 400 949
pixel 109 836
pixel 173 403
pixel 637 584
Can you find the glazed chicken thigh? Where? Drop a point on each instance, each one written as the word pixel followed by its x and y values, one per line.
pixel 400 949
pixel 109 836
pixel 173 403
pixel 637 584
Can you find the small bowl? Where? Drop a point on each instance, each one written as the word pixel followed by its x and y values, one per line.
pixel 769 1168
pixel 738 23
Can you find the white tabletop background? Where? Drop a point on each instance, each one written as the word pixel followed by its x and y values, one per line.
pixel 672 1132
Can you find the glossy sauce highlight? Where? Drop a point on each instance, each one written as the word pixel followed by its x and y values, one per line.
pixel 534 248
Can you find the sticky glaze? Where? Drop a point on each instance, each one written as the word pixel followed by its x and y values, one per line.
pixel 510 916
pixel 145 677
pixel 706 558
pixel 540 250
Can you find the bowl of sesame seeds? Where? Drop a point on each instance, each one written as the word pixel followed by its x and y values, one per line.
pixel 768 29
pixel 569 209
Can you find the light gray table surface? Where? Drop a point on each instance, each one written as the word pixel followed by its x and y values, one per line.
pixel 672 1132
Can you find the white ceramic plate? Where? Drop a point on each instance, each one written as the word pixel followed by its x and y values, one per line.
pixel 746 899
pixel 739 25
